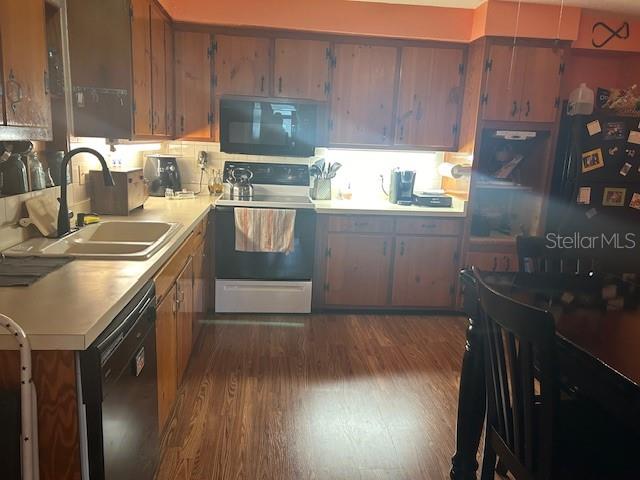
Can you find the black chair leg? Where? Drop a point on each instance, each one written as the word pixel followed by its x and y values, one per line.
pixel 488 463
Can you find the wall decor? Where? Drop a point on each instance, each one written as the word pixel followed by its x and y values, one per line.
pixel 613 197
pixel 592 160
pixel 605 33
pixel 635 201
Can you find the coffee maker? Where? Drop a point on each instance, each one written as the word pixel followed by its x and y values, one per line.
pixel 161 171
pixel 401 188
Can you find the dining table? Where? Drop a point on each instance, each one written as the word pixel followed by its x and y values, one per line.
pixel 597 319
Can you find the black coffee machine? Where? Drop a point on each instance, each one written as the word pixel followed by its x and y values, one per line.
pixel 401 188
pixel 161 171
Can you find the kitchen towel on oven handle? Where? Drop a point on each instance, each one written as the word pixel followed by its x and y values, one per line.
pixel 264 229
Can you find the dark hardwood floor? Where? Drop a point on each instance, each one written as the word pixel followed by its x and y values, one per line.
pixel 318 397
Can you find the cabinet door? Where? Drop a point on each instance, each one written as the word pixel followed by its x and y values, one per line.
pixel 425 271
pixel 193 85
pixel 358 269
pixel 158 72
pixel 169 76
pixel 503 92
pixel 141 58
pixel 301 69
pixel 362 95
pixel 200 272
pixel 24 64
pixel 184 320
pixel 429 97
pixel 242 65
pixel 543 73
pixel 167 355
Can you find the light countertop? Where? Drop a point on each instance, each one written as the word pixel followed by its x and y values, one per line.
pixel 382 207
pixel 69 308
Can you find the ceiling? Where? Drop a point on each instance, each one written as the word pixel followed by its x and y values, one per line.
pixel 625 6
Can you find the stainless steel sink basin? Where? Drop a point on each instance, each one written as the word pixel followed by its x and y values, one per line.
pixel 116 240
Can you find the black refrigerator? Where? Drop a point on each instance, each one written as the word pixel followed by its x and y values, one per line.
pixel 595 189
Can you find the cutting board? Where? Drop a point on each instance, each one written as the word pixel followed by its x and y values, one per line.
pixel 43 212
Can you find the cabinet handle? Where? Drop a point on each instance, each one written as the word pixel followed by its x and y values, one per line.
pixel 17 88
pixel 280 85
pixel 182 123
pixel 429 226
pixel 384 249
pixel 360 224
pixel 495 264
pixel 46 82
pixel 514 109
pixel 401 132
pixel 262 83
pixel 508 262
pixel 384 133
pixel 526 114
pixel 401 249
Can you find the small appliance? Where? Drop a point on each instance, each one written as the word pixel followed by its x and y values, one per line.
pixel 401 188
pixel 432 199
pixel 162 172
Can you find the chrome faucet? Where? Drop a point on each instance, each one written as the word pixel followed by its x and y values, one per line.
pixel 63 213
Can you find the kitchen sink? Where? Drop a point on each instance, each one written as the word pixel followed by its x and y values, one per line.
pixel 115 240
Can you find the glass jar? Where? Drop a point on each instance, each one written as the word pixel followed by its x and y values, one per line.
pixel 215 182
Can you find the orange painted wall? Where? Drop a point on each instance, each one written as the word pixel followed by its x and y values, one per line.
pixel 330 16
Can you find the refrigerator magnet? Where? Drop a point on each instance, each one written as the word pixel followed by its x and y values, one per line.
pixel 614 130
pixel 594 128
pixel 634 137
pixel 613 197
pixel 592 160
pixel 584 195
pixel 625 169
pixel 592 212
pixel 631 152
pixel 635 201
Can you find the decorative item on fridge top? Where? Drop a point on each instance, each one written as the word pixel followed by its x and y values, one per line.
pixel 619 101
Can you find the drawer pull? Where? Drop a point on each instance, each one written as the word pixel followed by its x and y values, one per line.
pixel 429 226
pixel 361 224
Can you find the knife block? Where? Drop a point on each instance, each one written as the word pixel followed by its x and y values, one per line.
pixel 129 192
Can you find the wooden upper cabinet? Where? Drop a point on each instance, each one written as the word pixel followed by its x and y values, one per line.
pixel 357 271
pixel 158 72
pixel 194 116
pixel 141 60
pixel 169 79
pixel 527 90
pixel 242 65
pixel 362 94
pixel 302 69
pixel 429 97
pixel 543 74
pixel 425 270
pixel 24 65
pixel 504 83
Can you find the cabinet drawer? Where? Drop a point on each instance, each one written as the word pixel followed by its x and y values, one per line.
pixel 428 226
pixel 360 224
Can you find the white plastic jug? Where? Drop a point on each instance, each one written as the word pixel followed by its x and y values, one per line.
pixel 581 101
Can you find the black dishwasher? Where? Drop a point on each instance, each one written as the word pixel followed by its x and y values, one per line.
pixel 119 392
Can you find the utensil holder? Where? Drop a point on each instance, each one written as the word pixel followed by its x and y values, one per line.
pixel 321 189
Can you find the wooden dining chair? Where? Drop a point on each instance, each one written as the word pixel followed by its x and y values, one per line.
pixel 536 256
pixel 534 434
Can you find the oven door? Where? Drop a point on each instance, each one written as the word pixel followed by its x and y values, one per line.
pixel 294 266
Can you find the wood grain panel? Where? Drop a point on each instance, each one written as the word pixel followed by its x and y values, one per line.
pixel 429 97
pixel 200 281
pixel 24 64
pixel 504 84
pixel 141 55
pixel 542 68
pixel 429 226
pixel 193 85
pixel 184 319
pixel 360 223
pixel 425 271
pixel 158 71
pixel 362 94
pixel 166 347
pixel 170 79
pixel 54 376
pixel 301 69
pixel 166 276
pixel 242 65
pixel 471 100
pixel 357 271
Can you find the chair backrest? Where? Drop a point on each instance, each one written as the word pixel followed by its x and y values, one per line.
pixel 534 256
pixel 523 387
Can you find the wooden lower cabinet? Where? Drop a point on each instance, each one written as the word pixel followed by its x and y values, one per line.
pixel 200 273
pixel 184 328
pixel 166 347
pixel 357 271
pixel 493 261
pixel 424 271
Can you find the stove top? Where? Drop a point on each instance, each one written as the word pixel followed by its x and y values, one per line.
pixel 267 201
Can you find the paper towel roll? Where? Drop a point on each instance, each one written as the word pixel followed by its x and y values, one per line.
pixel 456 171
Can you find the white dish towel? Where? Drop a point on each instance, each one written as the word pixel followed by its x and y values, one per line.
pixel 264 229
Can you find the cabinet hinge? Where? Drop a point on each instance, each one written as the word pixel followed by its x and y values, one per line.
pixel 210 118
pixel 484 98
pixel 330 124
pixel 556 104
pixel 214 46
pixel 327 88
pixel 488 65
pixel 331 58
pixel 461 69
pixel 209 52
pixel 130 10
pixel 214 80
pixel 327 252
pixel 454 129
pixel 561 69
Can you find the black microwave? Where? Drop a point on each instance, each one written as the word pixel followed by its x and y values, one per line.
pixel 264 126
